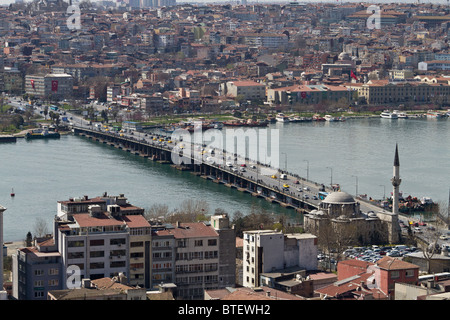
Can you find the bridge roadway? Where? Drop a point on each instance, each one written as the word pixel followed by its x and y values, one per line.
pixel 245 175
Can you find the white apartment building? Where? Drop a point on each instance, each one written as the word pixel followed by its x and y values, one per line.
pixel 267 40
pixel 249 90
pixel 104 237
pixel 94 245
pixel 59 86
pixel 267 250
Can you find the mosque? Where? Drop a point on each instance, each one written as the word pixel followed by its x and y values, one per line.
pixel 340 215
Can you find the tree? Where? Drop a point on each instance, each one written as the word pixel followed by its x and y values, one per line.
pixel 17 120
pixel 40 228
pixel 45 112
pixel 157 212
pixel 104 115
pixel 429 250
pixel 29 240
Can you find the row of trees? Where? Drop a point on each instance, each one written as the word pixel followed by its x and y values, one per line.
pixel 199 210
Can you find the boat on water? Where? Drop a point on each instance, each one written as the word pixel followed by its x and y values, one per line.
pixel 317 117
pixel 434 114
pixel 281 117
pixel 388 115
pixel 42 134
pixel 12 192
pixel 330 118
pixel 401 115
pixel 248 123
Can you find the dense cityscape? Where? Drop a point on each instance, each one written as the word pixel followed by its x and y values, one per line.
pixel 145 76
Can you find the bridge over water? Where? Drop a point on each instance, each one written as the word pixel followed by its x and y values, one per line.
pixel 257 178
pixel 252 180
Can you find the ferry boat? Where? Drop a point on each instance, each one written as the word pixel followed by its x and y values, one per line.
pixel 433 114
pixel 42 134
pixel 401 115
pixel 248 123
pixel 388 115
pixel 282 118
pixel 317 117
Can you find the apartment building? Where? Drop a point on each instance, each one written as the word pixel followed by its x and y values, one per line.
pixel 95 244
pixel 12 80
pixel 139 231
pixel 434 65
pixel 249 90
pixel 204 256
pixel 37 270
pixel 308 94
pixel 163 256
pixel 104 236
pixel 267 40
pixel 268 251
pixel 383 91
pixel 59 86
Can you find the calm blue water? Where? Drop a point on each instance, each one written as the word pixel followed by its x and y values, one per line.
pixel 43 172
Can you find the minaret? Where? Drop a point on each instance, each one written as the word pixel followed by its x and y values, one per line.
pixel 3 295
pixel 396 183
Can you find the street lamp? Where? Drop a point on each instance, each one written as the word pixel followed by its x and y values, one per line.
pixel 2 209
pixel 285 161
pixel 384 191
pixel 356 185
pixel 331 177
pixel 307 169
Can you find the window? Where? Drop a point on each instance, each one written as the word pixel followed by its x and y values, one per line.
pixel 119 241
pixel 38 283
pixel 136 244
pixel 98 242
pixel 117 264
pixel 395 274
pixel 72 244
pixel 75 255
pixel 53 271
pixel 409 273
pixel 39 272
pixel 97 254
pixel 198 243
pixel 212 242
pixel 53 282
pixel 97 265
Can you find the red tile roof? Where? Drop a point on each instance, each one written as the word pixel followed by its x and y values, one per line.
pixel 190 230
pixel 391 263
pixel 136 221
pixel 85 220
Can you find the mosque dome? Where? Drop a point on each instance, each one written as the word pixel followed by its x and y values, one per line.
pixel 339 198
pixel 344 56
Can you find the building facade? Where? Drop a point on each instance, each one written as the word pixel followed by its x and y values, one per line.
pixel 37 270
pixel 383 91
pixel 58 86
pixel 265 251
pixel 204 256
